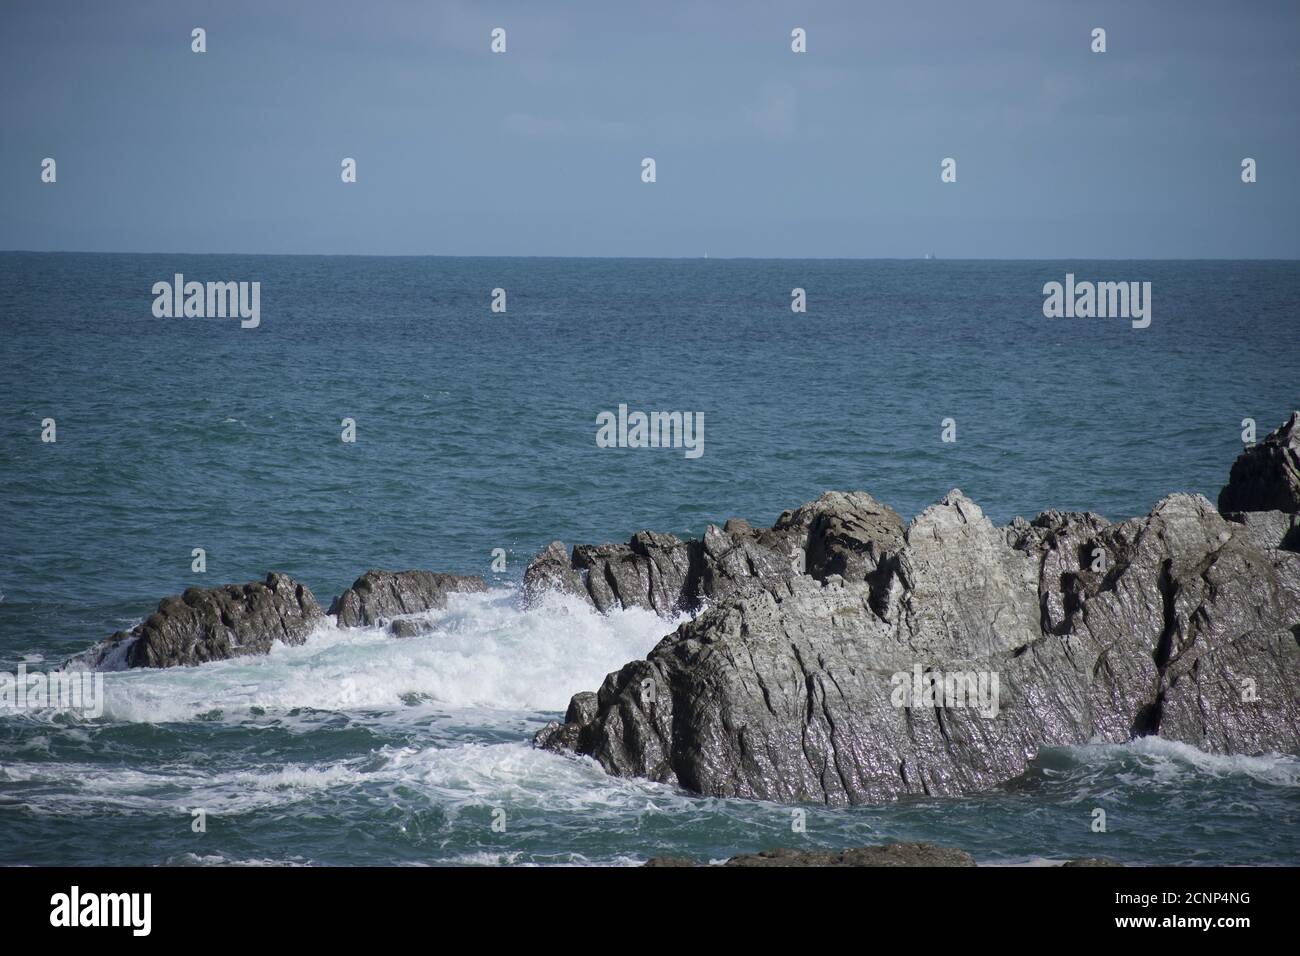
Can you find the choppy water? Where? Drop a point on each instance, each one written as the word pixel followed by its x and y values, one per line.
pixel 476 431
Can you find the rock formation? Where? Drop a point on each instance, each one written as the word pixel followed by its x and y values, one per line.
pixel 848 659
pixel 379 596
pixel 1266 476
pixel 890 854
pixel 836 534
pixel 212 624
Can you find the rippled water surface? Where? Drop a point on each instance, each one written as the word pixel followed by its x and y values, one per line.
pixel 475 431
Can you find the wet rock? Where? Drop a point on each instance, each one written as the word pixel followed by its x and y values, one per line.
pixel 406 627
pixel 553 570
pixel 1090 861
pixel 891 854
pixel 1266 476
pixel 212 624
pixel 838 534
pixel 669 861
pixel 1057 631
pixel 379 596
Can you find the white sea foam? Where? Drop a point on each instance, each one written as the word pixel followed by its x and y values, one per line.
pixel 1171 762
pixel 455 779
pixel 484 652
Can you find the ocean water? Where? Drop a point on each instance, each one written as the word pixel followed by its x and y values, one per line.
pixel 476 431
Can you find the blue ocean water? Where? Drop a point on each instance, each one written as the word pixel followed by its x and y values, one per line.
pixel 476 431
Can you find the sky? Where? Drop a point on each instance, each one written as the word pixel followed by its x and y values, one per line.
pixel 759 151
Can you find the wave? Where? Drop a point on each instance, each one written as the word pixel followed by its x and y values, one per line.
pixel 1158 763
pixel 484 652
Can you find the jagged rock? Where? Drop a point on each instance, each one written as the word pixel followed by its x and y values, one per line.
pixel 837 534
pixel 669 861
pixel 1269 529
pixel 380 596
pixel 212 624
pixel 553 570
pixel 1090 861
pixel 1181 623
pixel 564 736
pixel 844 534
pixel 1266 476
pixel 891 854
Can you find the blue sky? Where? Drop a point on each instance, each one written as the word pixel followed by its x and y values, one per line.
pixel 1061 152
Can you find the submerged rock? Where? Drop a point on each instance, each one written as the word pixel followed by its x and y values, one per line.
pixel 212 624
pixel 1266 476
pixel 379 596
pixel 1090 861
pixel 848 660
pixel 890 854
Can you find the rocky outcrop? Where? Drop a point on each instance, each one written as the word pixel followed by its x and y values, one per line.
pixel 1266 476
pixel 842 534
pixel 890 854
pixel 941 657
pixel 1091 861
pixel 212 624
pixel 377 597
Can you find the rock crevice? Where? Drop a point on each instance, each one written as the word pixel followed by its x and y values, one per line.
pixel 789 684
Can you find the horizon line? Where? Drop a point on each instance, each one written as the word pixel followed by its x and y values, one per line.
pixel 701 258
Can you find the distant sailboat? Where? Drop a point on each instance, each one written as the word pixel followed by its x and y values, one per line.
pixel 929 255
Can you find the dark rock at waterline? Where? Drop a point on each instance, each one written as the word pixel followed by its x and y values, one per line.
pixel 891 854
pixel 663 861
pixel 1266 476
pixel 1091 861
pixel 379 596
pixel 843 534
pixel 404 627
pixel 1182 623
pixel 213 624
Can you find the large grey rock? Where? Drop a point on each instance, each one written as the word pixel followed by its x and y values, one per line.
pixel 1181 623
pixel 1266 476
pixel 212 624
pixel 379 596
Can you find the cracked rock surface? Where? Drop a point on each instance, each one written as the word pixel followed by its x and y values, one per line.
pixel 1266 476
pixel 1183 623
pixel 379 596
pixel 212 624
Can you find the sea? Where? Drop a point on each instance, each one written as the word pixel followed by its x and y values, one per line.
pixel 475 445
